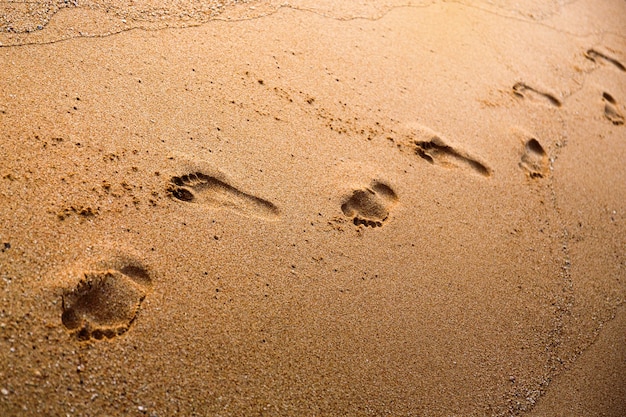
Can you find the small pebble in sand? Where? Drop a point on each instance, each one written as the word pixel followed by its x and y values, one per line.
pixel 4 391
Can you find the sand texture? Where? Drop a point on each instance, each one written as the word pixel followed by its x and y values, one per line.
pixel 313 208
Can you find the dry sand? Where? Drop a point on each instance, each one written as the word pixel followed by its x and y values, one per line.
pixel 313 208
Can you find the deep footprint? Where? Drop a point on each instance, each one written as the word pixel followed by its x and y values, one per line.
pixel 105 304
pixel 524 91
pixel 610 110
pixel 210 191
pixel 437 152
pixel 534 160
pixel 370 206
pixel 595 56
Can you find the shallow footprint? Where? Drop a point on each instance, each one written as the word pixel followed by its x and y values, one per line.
pixel 534 160
pixel 610 110
pixel 594 55
pixel 105 304
pixel 210 191
pixel 524 91
pixel 436 151
pixel 370 206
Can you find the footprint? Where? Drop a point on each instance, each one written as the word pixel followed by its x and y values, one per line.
pixel 207 190
pixel 524 91
pixel 370 206
pixel 594 55
pixel 437 152
pixel 534 160
pixel 610 110
pixel 105 303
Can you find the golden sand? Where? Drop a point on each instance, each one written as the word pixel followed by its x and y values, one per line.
pixel 313 208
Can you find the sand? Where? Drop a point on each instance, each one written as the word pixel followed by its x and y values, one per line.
pixel 313 208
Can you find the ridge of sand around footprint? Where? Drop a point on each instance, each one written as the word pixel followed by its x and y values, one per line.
pixel 206 190
pixel 101 295
pixel 370 206
pixel 319 208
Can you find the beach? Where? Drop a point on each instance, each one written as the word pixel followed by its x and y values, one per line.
pixel 313 208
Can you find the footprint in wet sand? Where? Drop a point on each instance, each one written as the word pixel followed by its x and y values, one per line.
pixel 534 160
pixel 105 303
pixel 437 152
pixel 370 206
pixel 596 56
pixel 524 91
pixel 610 110
pixel 207 190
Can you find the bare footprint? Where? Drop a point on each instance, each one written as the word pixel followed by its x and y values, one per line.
pixel 105 303
pixel 207 190
pixel 610 110
pixel 534 160
pixel 437 152
pixel 524 91
pixel 596 56
pixel 370 206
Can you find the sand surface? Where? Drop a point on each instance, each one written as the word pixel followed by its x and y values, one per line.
pixel 313 208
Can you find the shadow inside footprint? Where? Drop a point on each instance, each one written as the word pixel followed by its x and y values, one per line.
pixel 524 91
pixel 594 55
pixel 370 206
pixel 610 110
pixel 436 151
pixel 534 160
pixel 210 191
pixel 104 304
